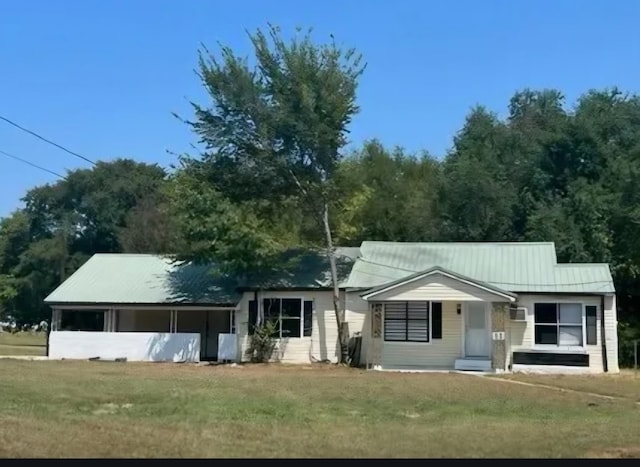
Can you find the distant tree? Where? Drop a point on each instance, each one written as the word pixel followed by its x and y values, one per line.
pixel 150 227
pixel 387 195
pixel 63 224
pixel 477 197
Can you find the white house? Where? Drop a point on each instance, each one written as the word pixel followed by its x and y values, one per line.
pixel 467 306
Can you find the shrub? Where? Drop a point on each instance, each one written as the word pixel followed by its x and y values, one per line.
pixel 262 342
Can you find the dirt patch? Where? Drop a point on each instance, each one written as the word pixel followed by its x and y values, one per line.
pixel 616 453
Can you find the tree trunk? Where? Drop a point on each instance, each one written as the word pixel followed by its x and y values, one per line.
pixel 343 330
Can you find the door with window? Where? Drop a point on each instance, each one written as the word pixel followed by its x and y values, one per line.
pixel 476 330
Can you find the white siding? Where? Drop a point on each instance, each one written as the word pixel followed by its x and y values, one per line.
pixel 521 334
pixel 611 332
pixel 438 287
pixel 134 346
pixel 439 353
pixel 359 319
pixel 323 343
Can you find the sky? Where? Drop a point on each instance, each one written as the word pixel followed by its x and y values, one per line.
pixel 102 78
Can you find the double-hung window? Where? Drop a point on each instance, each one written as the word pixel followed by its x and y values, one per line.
pixel 293 317
pixel 562 324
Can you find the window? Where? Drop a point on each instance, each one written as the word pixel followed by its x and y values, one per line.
pixel 591 313
pixel 293 316
pixel 559 324
pixel 82 320
pixel 406 321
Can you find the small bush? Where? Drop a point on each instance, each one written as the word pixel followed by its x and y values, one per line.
pixel 262 342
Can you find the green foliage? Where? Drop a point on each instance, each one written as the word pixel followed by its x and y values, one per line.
pixel 262 342
pixel 387 195
pixel 216 229
pixel 8 292
pixel 63 224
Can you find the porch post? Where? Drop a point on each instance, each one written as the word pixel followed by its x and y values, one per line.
pixel 173 321
pixel 112 320
pixel 55 319
pixel 499 313
pixel 374 352
pixel 108 321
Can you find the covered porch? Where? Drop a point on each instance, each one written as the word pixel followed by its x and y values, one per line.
pixel 143 333
pixel 437 320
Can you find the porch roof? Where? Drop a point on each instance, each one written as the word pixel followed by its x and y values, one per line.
pixel 377 291
pixel 143 279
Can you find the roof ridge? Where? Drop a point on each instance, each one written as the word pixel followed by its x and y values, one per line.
pixel 152 255
pixel 458 243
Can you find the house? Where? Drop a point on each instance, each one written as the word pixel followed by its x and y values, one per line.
pixel 466 306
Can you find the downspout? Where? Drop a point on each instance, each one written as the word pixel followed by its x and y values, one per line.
pixel 605 364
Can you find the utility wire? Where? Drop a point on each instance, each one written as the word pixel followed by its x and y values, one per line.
pixel 46 140
pixel 31 164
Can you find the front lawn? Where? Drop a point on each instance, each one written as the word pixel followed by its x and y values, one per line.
pixel 98 409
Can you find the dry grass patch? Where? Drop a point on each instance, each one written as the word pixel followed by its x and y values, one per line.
pixel 23 343
pixel 98 409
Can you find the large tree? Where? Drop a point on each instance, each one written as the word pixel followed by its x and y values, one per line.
pixel 278 128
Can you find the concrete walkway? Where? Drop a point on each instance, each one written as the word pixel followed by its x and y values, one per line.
pixel 23 357
pixel 560 389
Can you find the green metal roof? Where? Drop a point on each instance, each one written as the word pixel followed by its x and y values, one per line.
pixel 515 267
pixel 113 278
pixel 143 279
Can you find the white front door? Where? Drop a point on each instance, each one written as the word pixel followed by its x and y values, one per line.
pixel 476 330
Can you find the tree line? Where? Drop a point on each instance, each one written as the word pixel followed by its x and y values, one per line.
pixel 275 173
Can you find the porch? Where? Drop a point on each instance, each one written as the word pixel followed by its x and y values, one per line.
pixel 437 320
pixel 152 333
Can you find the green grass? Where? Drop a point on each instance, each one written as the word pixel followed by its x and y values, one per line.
pixel 100 409
pixel 22 343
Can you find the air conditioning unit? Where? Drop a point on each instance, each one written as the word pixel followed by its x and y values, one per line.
pixel 518 313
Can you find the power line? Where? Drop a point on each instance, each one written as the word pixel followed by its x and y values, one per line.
pixel 46 140
pixel 31 164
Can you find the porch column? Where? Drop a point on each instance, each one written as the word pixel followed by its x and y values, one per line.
pixel 374 352
pixel 55 319
pixel 112 320
pixel 499 314
pixel 108 321
pixel 173 323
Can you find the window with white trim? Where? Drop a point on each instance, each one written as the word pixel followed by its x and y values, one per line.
pixel 286 313
pixel 293 317
pixel 559 324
